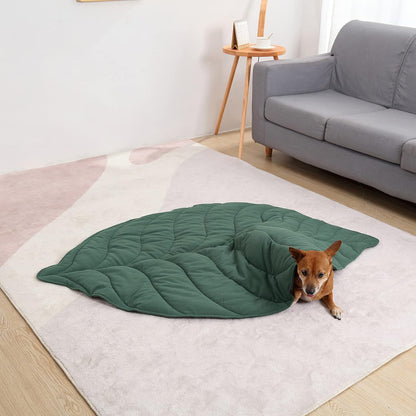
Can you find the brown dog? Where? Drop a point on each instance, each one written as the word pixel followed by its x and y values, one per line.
pixel 314 276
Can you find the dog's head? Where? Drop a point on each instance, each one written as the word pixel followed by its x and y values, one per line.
pixel 314 267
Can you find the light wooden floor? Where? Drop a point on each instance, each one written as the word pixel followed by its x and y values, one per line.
pixel 31 383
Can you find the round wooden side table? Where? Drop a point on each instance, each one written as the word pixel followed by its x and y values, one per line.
pixel 249 52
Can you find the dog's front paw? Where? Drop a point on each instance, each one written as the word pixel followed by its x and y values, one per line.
pixel 296 296
pixel 336 312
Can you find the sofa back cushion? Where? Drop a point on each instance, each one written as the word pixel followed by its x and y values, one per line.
pixel 405 96
pixel 368 58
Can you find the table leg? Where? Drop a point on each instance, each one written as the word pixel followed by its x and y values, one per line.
pixel 269 150
pixel 245 99
pixel 227 91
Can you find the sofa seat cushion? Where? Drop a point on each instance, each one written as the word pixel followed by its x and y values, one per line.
pixel 309 113
pixel 380 134
pixel 408 161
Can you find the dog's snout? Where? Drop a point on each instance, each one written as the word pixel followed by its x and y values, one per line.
pixel 310 290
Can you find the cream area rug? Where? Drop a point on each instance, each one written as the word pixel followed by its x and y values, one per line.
pixel 132 364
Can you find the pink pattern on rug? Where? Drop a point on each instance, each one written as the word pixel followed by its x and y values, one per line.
pixel 145 155
pixel 31 199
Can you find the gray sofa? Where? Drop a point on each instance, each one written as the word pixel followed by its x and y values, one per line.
pixel 352 112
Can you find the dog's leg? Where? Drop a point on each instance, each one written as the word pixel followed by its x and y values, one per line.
pixel 297 294
pixel 335 310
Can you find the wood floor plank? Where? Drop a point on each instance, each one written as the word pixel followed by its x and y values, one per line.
pixel 31 383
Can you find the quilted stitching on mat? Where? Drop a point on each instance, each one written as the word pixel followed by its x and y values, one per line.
pixel 213 260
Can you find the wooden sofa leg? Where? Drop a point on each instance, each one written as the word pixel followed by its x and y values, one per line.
pixel 269 151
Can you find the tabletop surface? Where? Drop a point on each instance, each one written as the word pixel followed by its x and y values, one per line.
pixel 251 51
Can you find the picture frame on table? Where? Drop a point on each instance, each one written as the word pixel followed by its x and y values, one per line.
pixel 240 39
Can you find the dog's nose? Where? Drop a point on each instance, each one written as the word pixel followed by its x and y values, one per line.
pixel 310 291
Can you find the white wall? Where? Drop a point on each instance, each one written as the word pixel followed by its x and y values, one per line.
pixel 84 79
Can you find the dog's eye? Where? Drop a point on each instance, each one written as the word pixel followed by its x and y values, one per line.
pixel 321 275
pixel 304 272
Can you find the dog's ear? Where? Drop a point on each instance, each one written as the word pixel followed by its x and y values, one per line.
pixel 333 248
pixel 297 254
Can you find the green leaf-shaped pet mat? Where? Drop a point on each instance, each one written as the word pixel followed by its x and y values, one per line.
pixel 213 260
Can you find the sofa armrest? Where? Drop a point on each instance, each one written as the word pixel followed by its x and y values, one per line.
pixel 287 77
pixel 408 161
